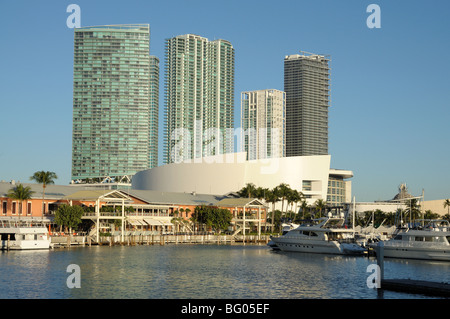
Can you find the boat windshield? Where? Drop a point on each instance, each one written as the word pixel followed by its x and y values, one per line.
pixel 333 223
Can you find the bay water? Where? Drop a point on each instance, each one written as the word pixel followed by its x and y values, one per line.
pixel 198 272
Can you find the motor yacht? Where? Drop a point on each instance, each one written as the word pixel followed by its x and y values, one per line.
pixel 327 236
pixel 19 234
pixel 427 239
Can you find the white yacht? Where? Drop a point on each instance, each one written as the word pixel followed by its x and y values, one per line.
pixel 430 240
pixel 23 234
pixel 329 236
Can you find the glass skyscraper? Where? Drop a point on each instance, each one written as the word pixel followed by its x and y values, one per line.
pixel 306 83
pixel 115 109
pixel 199 98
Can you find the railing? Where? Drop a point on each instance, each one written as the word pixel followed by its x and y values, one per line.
pixel 126 214
pixel 21 223
pixel 103 214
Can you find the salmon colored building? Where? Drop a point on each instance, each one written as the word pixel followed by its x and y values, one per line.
pixel 151 210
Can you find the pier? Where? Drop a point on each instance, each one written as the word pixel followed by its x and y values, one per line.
pixel 132 238
pixel 432 288
pixel 417 286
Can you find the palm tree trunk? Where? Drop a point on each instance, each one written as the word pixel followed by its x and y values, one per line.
pixel 43 201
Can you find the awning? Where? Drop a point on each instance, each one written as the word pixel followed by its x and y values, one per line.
pixel 152 222
pixel 134 222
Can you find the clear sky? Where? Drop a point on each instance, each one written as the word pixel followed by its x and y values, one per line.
pixel 389 118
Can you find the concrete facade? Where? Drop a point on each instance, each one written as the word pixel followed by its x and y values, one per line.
pixel 230 172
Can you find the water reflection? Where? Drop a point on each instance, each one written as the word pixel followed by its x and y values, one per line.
pixel 200 271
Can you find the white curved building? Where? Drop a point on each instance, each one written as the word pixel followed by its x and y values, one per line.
pixel 230 172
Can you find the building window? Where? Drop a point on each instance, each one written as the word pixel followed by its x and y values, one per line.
pixel 14 208
pixel 4 208
pixel 29 208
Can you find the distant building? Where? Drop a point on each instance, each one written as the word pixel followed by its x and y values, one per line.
pixel 436 206
pixel 306 83
pixel 263 123
pixel 199 98
pixel 114 102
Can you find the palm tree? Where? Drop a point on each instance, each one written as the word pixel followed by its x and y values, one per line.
pixel 304 206
pixel 298 198
pixel 272 197
pixel 293 197
pixel 20 193
pixel 320 205
pixel 447 204
pixel 283 191
pixel 413 209
pixel 248 190
pixel 44 178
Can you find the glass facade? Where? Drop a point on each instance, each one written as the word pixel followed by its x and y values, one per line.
pixel 114 108
pixel 199 98
pixel 336 191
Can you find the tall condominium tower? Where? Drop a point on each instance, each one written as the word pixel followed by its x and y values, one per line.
pixel 199 98
pixel 114 112
pixel 263 123
pixel 306 83
pixel 154 110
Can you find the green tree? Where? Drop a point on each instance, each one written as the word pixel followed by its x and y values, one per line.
pixel 20 193
pixel 282 191
pixel 430 215
pixel 292 198
pixel 447 204
pixel 213 217
pixel 303 207
pixel 412 209
pixel 272 197
pixel 68 216
pixel 247 191
pixel 44 178
pixel 320 206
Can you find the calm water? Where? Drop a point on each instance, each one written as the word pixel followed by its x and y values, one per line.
pixel 200 271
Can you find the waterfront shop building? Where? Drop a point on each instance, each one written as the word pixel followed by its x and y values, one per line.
pixel 135 210
pixel 40 204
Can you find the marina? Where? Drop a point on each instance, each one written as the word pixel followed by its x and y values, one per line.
pixel 184 271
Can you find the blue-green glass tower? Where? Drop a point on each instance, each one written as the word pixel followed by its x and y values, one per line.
pixel 114 113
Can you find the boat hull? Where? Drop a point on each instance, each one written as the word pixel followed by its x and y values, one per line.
pixel 24 238
pixel 26 245
pixel 405 252
pixel 317 247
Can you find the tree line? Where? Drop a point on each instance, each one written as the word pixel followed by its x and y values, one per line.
pixel 289 199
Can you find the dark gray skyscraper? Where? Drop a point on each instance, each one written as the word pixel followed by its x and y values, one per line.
pixel 306 83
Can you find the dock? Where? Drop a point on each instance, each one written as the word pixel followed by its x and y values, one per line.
pixel 132 238
pixel 411 286
pixel 417 286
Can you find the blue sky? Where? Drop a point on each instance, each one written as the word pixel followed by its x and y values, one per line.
pixel 389 114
